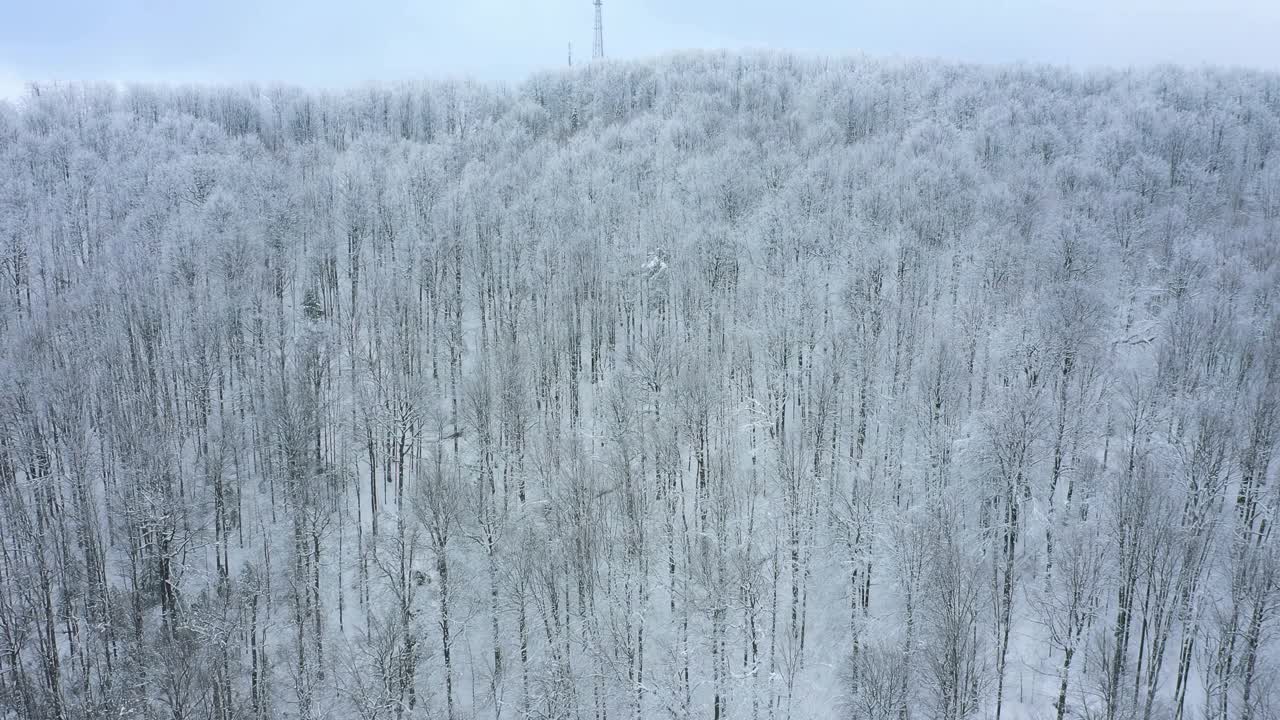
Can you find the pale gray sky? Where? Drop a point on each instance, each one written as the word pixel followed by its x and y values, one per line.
pixel 335 43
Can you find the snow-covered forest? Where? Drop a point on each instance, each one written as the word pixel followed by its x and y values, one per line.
pixel 713 386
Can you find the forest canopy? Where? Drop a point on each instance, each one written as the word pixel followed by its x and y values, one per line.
pixel 729 386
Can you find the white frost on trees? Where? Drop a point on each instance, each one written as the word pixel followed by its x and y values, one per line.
pixel 729 386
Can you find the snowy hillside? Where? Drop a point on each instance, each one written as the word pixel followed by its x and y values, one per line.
pixel 713 386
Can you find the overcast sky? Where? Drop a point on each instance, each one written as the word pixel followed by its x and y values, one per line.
pixel 336 43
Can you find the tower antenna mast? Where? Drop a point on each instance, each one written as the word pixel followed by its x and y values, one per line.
pixel 597 51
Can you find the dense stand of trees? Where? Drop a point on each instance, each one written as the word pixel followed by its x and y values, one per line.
pixel 715 386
